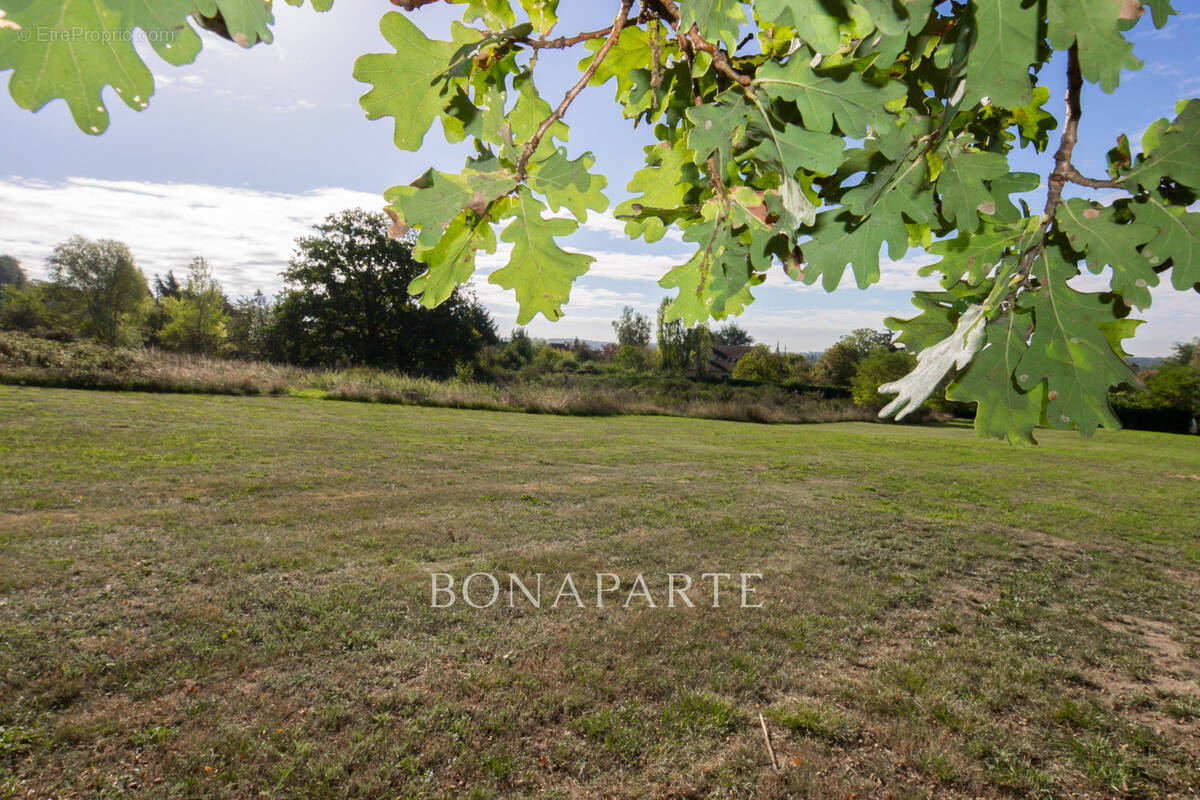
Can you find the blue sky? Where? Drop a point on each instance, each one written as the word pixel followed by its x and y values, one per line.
pixel 243 150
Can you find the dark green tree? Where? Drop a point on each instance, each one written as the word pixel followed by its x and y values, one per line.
pixel 838 364
pixel 732 335
pixel 878 367
pixel 518 351
pixel 347 302
pixel 11 273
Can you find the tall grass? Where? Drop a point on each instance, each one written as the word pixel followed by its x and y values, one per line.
pixel 86 365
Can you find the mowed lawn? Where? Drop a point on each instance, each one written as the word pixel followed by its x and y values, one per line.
pixel 230 598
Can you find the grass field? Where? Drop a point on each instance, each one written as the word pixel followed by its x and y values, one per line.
pixel 229 597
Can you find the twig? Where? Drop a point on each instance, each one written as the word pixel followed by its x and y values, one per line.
pixel 574 91
pixel 563 42
pixel 767 739
pixel 1074 177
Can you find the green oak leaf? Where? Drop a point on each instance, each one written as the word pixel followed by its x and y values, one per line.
pixel 1033 121
pixel 816 21
pixel 405 82
pixel 1003 409
pixel 1161 10
pixel 451 262
pixel 718 126
pixel 840 238
pixel 665 183
pixel 73 68
pixel 1006 45
pixel 842 95
pixel 496 14
pixel 716 280
pixel 887 18
pixel 1069 350
pixel 936 321
pixel 1092 229
pixel 247 21
pixel 892 192
pixel 569 184
pixel 1171 151
pixel 795 148
pixel 961 184
pixel 543 14
pixel 434 199
pixel 166 26
pixel 527 116
pixel 631 52
pixel 718 20
pixel 1005 185
pixel 971 255
pixel 539 271
pixel 1178 239
pixel 1096 25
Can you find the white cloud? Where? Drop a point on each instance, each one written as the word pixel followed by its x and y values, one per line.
pixel 246 235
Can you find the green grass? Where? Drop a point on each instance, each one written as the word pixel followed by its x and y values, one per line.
pixel 229 597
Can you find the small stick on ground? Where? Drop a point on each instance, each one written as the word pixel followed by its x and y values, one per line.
pixel 767 739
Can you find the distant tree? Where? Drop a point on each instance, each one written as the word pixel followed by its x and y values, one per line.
pixel 732 335
pixel 109 285
pixel 11 273
pixel 196 319
pixel 878 367
pixel 697 347
pixel 1175 385
pixel 672 341
pixel 760 364
pixel 167 287
pixel 249 326
pixel 838 363
pixel 518 350
pixel 30 307
pixel 632 328
pixel 347 302
pixel 1187 353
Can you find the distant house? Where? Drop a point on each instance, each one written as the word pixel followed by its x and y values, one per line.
pixel 723 359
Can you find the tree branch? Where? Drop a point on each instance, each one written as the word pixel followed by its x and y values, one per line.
pixel 573 92
pixel 1062 157
pixel 1074 177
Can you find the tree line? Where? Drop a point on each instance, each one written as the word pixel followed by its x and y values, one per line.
pixel 345 303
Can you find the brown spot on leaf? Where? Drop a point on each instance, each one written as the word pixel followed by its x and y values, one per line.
pixel 397 229
pixel 479 203
pixel 1131 9
pixel 1052 396
pixel 986 207
pixel 1091 213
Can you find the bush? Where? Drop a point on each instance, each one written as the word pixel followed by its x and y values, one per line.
pixel 760 364
pixel 1170 404
pixel 876 369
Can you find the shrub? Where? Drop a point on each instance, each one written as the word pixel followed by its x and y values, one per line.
pixel 876 369
pixel 760 364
